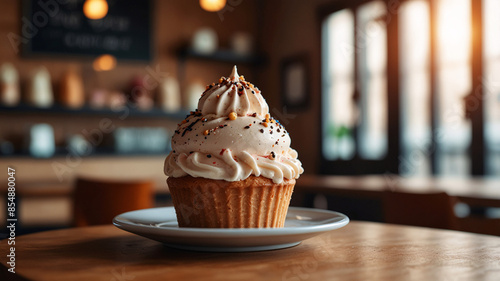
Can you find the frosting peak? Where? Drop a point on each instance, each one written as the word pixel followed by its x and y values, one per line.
pixel 234 74
pixel 232 94
pixel 232 136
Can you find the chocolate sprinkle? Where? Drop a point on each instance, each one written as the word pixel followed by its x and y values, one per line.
pixel 190 127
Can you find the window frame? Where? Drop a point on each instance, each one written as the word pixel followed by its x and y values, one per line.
pixel 358 166
pixel 475 110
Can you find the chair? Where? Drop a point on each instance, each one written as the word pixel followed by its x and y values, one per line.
pixel 427 209
pixel 97 201
pixel 480 225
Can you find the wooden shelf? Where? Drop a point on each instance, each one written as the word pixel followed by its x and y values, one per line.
pixel 88 111
pixel 65 112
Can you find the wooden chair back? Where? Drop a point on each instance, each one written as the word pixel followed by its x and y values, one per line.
pixel 97 201
pixel 427 209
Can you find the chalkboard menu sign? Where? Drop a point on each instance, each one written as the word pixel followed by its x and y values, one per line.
pixel 60 28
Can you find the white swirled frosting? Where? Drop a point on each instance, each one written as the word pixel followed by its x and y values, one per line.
pixel 231 136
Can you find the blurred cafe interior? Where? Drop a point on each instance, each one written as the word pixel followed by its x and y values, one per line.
pixel 393 106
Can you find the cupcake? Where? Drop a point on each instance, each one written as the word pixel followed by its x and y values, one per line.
pixel 231 164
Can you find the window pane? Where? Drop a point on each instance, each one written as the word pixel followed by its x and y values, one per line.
pixel 491 10
pixel 414 44
pixel 372 50
pixel 453 133
pixel 338 85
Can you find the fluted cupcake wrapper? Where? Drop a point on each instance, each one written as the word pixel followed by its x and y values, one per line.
pixel 252 203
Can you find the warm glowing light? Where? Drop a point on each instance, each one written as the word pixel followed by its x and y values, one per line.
pixel 95 9
pixel 104 63
pixel 454 30
pixel 212 5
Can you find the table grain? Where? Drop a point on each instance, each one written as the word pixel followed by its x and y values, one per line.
pixel 359 251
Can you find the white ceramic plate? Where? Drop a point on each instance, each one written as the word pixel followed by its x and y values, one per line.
pixel 160 224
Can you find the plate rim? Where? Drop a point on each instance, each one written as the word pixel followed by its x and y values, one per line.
pixel 240 232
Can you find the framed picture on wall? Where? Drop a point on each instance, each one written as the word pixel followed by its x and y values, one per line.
pixel 295 82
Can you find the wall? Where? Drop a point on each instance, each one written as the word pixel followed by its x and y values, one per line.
pixel 175 22
pixel 292 28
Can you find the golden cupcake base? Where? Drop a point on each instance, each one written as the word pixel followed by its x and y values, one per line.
pixel 256 202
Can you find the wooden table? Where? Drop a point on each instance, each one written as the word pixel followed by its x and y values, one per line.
pixel 359 251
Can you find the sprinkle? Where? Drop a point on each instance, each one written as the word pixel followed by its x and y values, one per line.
pixel 272 156
pixel 247 127
pixel 254 114
pixel 205 132
pixel 264 124
pixel 213 163
pixel 218 96
pixel 262 130
pixel 209 156
pixel 232 116
pixel 221 79
pixel 242 78
pixel 267 116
